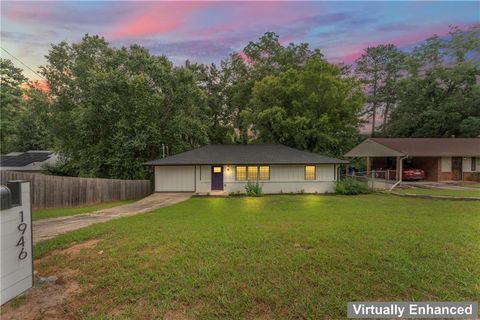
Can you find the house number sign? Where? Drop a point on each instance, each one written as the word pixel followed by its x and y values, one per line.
pixel 16 239
pixel 22 227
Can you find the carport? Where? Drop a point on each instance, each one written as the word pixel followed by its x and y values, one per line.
pixel 441 159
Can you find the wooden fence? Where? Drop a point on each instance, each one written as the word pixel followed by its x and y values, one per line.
pixel 56 192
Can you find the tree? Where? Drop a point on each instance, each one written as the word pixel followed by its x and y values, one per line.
pixel 313 108
pixel 379 69
pixel 114 108
pixel 32 130
pixel 440 96
pixel 11 79
pixel 259 59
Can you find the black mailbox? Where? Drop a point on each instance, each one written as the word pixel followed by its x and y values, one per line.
pixel 5 198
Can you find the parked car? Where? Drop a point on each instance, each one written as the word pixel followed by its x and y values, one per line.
pixel 408 173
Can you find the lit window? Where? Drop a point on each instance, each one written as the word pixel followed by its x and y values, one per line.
pixel 217 169
pixel 264 172
pixel 309 172
pixel 241 173
pixel 252 173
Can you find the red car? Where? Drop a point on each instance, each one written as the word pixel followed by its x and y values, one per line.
pixel 410 173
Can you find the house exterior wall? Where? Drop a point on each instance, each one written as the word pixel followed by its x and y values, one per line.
pixel 467 173
pixel 283 179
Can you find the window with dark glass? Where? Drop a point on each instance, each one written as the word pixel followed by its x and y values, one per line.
pixel 474 164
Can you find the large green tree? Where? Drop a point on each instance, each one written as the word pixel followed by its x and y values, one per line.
pixel 33 125
pixel 114 108
pixel 313 108
pixel 379 69
pixel 11 79
pixel 440 97
pixel 259 59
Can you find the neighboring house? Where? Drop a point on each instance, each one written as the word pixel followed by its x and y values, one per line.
pixel 441 159
pixel 228 168
pixel 31 161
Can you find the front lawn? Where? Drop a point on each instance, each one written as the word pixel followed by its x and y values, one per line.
pixel 274 257
pixel 61 212
pixel 440 192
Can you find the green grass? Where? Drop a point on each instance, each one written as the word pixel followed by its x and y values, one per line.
pixel 61 212
pixel 441 192
pixel 278 257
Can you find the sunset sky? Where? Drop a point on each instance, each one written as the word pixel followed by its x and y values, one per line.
pixel 208 31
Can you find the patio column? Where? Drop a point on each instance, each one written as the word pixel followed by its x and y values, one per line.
pixel 369 165
pixel 398 169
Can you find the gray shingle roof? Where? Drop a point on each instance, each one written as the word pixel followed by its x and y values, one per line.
pixel 244 154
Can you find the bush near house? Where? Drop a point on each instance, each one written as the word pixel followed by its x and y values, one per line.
pixel 253 189
pixel 349 186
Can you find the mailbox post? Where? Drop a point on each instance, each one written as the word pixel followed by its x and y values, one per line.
pixel 16 240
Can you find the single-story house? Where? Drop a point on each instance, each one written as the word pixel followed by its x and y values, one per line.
pixel 30 161
pixel 442 159
pixel 228 168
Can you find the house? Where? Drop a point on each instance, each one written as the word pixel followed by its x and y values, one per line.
pixel 441 159
pixel 228 168
pixel 31 161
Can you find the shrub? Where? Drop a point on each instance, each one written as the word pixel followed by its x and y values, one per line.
pixel 349 186
pixel 253 189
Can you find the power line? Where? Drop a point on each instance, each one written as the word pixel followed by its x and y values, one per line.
pixel 24 64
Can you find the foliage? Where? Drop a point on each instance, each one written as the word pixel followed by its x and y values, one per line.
pixel 332 249
pixel 11 92
pixel 253 189
pixel 314 108
pixel 349 186
pixel 114 108
pixel 440 96
pixel 32 130
pixel 379 68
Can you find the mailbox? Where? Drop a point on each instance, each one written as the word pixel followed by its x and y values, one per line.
pixel 16 240
pixel 5 198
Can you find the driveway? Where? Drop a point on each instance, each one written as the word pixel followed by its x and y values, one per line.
pixel 49 228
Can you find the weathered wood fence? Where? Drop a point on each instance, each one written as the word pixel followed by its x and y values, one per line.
pixel 56 192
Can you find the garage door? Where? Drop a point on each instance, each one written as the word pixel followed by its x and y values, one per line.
pixel 175 178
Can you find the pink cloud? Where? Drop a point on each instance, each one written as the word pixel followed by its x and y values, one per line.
pixel 157 17
pixel 350 52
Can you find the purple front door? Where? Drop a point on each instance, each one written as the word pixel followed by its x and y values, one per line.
pixel 217 178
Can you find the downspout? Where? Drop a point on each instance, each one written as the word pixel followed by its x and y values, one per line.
pixel 400 174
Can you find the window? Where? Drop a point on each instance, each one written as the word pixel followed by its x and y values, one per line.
pixel 309 172
pixel 240 173
pixel 217 169
pixel 252 172
pixel 264 172
pixel 474 164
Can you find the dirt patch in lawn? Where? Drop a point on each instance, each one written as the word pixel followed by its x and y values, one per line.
pixel 178 314
pixel 75 249
pixel 49 300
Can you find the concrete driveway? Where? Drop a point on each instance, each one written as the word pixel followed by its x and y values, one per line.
pixel 49 228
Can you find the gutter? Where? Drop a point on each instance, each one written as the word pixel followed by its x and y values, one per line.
pixel 401 173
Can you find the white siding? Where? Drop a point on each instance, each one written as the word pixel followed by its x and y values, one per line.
pixel 446 164
pixel 287 179
pixel 467 164
pixel 174 178
pixel 283 179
